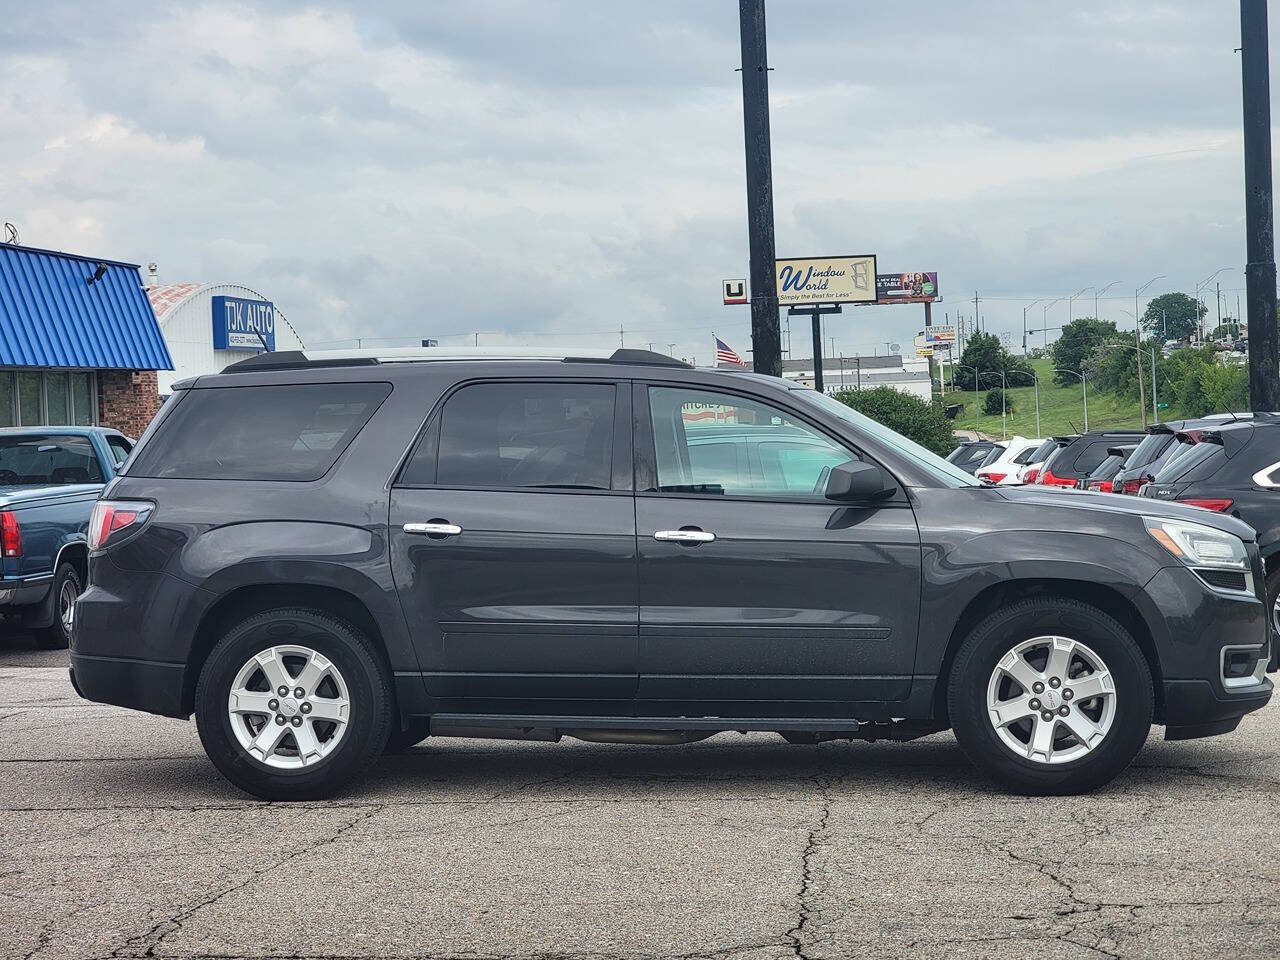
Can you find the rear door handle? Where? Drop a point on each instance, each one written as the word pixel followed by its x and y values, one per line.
pixel 684 536
pixel 435 528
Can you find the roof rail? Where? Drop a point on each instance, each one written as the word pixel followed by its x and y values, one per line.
pixel 292 359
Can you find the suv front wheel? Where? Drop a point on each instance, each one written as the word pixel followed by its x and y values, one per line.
pixel 1050 695
pixel 292 704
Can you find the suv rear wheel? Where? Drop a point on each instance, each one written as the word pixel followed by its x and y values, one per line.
pixel 292 704
pixel 1050 696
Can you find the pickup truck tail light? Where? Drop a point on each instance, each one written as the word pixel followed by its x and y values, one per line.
pixel 10 534
pixel 1217 506
pixel 116 520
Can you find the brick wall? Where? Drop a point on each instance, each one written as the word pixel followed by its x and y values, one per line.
pixel 127 399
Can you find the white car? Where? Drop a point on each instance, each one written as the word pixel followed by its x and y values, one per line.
pixel 1005 469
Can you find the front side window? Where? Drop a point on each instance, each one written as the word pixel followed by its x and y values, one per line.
pixel 720 444
pixel 536 435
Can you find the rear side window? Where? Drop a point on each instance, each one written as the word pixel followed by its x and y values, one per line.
pixel 550 435
pixel 41 460
pixel 292 432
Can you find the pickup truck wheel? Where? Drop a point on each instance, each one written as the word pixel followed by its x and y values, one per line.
pixel 1050 696
pixel 66 588
pixel 293 704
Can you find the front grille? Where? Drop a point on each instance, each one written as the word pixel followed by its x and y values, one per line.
pixel 1224 579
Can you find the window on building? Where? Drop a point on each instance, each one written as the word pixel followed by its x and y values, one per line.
pixel 31 398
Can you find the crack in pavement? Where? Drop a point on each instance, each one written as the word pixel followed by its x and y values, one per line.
pixel 817 835
pixel 164 928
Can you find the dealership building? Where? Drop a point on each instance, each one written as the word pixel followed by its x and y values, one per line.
pixel 79 342
pixel 209 325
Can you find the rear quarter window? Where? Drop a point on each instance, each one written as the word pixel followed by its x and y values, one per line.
pixel 284 432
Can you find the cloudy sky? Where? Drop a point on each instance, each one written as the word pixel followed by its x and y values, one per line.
pixel 549 172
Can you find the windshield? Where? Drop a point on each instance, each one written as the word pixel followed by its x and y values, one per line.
pixel 946 474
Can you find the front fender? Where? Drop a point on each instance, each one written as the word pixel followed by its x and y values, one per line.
pixel 955 575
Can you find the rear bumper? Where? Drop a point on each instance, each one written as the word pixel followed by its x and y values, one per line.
pixel 17 593
pixel 149 685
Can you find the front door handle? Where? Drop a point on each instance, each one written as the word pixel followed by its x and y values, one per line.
pixel 436 528
pixel 684 536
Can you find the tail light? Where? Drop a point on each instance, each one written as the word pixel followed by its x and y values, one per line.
pixel 1217 506
pixel 1106 486
pixel 1030 475
pixel 1049 479
pixel 994 477
pixel 1131 486
pixel 10 534
pixel 115 520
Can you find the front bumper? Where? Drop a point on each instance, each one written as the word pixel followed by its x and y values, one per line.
pixel 1199 633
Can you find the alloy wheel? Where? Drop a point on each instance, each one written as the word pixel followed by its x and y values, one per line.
pixel 67 595
pixel 1051 700
pixel 289 706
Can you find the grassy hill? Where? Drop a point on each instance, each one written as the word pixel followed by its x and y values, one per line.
pixel 1060 408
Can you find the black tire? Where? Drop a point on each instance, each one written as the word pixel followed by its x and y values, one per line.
pixel 369 689
pixel 999 633
pixel 415 731
pixel 1273 594
pixel 56 636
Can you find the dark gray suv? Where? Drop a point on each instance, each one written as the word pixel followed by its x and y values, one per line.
pixel 324 557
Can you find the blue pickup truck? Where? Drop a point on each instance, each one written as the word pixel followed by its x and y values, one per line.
pixel 50 478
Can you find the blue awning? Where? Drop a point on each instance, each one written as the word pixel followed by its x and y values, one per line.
pixel 51 315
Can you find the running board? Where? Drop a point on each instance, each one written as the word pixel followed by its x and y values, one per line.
pixel 796 730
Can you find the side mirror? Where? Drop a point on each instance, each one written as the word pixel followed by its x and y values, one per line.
pixel 856 481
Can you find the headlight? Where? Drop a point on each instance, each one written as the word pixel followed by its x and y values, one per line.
pixel 1197 545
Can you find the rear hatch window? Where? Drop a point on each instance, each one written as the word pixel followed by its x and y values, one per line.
pixel 1198 462
pixel 285 432
pixel 1150 448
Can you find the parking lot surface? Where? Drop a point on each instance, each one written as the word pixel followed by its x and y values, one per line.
pixel 120 840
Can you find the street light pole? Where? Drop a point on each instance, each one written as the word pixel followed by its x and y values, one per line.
pixel 1072 299
pixel 965 366
pixel 1084 393
pixel 1045 317
pixel 1024 324
pixel 1036 383
pixel 1137 333
pixel 1097 294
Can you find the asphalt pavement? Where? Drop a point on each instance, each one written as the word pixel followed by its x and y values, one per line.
pixel 118 839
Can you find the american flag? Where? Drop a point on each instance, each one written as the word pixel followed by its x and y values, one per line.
pixel 725 354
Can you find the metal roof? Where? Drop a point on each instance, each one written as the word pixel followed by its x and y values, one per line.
pixel 51 315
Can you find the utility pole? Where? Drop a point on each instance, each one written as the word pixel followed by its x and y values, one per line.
pixel 766 332
pixel 976 301
pixel 1260 271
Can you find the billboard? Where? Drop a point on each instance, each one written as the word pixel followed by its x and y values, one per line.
pixel 809 280
pixel 907 287
pixel 735 291
pixel 940 333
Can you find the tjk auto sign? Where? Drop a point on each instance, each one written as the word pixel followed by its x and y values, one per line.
pixel 241 324
pixel 826 280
